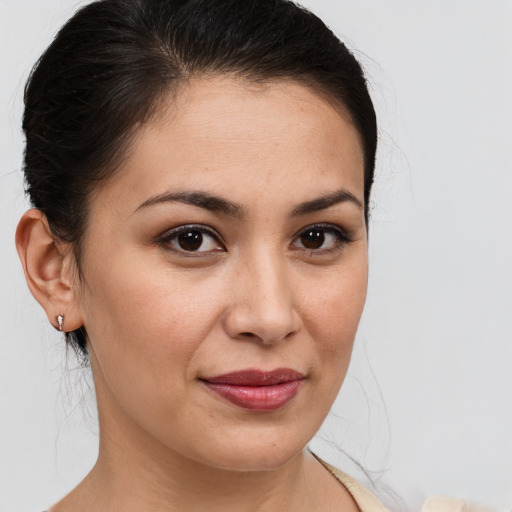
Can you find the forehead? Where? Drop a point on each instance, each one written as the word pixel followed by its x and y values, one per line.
pixel 228 134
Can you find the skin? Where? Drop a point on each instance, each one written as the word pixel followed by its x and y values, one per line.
pixel 160 318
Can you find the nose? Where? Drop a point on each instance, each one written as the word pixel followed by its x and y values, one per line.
pixel 262 302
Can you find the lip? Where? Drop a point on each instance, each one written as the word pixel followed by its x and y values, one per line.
pixel 257 390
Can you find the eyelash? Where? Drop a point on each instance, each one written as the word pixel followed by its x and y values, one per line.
pixel 166 240
pixel 342 238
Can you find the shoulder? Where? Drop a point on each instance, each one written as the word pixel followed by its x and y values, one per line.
pixel 367 502
pixel 443 504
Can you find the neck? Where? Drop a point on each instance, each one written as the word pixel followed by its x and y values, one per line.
pixel 186 485
pixel 135 472
pixel 133 481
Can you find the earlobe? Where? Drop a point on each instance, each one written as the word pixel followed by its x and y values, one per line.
pixel 46 270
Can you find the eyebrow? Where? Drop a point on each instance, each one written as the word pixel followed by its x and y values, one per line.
pixel 324 202
pixel 217 204
pixel 196 198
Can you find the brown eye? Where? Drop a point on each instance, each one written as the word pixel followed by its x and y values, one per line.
pixel 313 239
pixel 321 239
pixel 190 240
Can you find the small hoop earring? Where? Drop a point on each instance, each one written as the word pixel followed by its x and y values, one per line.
pixel 60 321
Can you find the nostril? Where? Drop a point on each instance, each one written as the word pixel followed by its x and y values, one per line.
pixel 250 336
pixel 265 323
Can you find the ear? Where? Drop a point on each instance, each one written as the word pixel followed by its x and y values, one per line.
pixel 49 270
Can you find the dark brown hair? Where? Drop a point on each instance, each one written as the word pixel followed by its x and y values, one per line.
pixel 113 60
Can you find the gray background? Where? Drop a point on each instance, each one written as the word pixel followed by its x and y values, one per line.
pixel 427 405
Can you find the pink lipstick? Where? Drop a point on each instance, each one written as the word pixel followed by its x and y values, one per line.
pixel 257 390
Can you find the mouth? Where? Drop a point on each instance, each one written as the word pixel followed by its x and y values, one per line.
pixel 257 390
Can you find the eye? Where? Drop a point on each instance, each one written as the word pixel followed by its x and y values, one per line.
pixel 321 239
pixel 192 239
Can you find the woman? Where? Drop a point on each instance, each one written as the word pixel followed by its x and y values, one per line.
pixel 200 173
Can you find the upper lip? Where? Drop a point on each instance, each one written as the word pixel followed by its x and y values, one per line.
pixel 254 377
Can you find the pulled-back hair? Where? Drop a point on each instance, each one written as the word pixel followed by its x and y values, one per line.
pixel 105 72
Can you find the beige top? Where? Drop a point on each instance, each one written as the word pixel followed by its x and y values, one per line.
pixel 367 502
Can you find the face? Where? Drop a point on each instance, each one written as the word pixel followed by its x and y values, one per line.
pixel 225 271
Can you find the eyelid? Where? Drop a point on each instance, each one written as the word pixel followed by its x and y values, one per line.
pixel 172 233
pixel 341 234
pixel 326 227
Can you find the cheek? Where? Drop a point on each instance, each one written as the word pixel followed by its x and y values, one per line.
pixel 333 316
pixel 145 318
pixel 336 306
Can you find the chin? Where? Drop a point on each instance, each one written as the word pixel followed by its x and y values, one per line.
pixel 262 452
pixel 253 462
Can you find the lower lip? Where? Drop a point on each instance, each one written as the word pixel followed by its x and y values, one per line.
pixel 257 398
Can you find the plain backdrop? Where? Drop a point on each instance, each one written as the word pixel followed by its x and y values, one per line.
pixel 427 405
